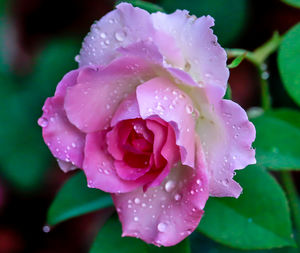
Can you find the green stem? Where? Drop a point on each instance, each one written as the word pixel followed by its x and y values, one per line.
pixel 258 58
pixel 292 195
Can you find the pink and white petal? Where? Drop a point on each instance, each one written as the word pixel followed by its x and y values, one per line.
pixel 64 140
pixel 119 28
pixel 98 166
pixel 128 109
pixel 127 172
pixel 144 49
pixel 166 214
pixel 68 80
pixel 160 97
pixel 226 135
pixel 170 152
pixel 116 138
pixel 169 49
pixel 205 58
pixel 160 133
pixel 90 104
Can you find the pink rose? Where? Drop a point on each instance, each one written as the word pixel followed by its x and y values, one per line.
pixel 143 116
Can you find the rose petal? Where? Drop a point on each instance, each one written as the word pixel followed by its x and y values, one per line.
pixel 144 49
pixel 226 135
pixel 161 97
pixel 116 138
pixel 166 214
pixel 205 58
pixel 64 140
pixel 68 80
pixel 119 28
pixel 128 109
pixel 91 103
pixel 127 172
pixel 99 169
pixel 160 133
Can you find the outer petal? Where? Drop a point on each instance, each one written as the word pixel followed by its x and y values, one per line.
pixel 99 168
pixel 165 214
pixel 161 97
pixel 119 28
pixel 205 59
pixel 226 135
pixel 68 80
pixel 64 140
pixel 91 103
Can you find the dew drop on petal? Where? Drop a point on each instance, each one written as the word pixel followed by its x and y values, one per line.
pixel 136 218
pixel 43 122
pixel 103 35
pixel 161 227
pixel 177 197
pixel 137 201
pixel 189 109
pixel 120 36
pixel 170 185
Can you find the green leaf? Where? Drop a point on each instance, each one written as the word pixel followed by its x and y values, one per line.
pixel 236 62
pixel 277 141
pixel 258 219
pixel 286 114
pixel 289 62
pixel 200 243
pixel 228 92
pixel 109 240
pixel 230 16
pixel 75 199
pixel 150 7
pixel 294 3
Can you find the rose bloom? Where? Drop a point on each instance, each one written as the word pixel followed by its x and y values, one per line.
pixel 143 116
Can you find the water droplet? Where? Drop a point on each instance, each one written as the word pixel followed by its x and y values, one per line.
pixel 106 42
pixel 73 144
pixel 144 205
pixel 90 183
pixel 106 172
pixel 77 58
pixel 161 227
pixel 192 192
pixel 189 109
pixel 120 36
pixel 170 185
pixel 177 197
pixel 198 181
pixel 137 201
pixel 136 218
pixel 103 35
pixel 46 229
pixel 265 75
pixel 43 122
pixel 119 210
